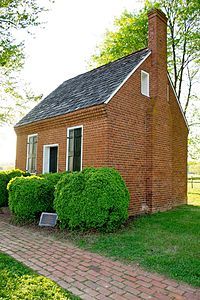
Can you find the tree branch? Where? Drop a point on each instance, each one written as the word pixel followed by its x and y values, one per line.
pixel 189 92
pixel 8 21
pixel 192 124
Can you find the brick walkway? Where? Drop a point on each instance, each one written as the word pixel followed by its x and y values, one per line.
pixel 85 274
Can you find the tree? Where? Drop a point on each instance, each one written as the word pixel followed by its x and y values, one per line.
pixel 183 41
pixel 131 30
pixel 130 34
pixel 194 148
pixel 15 16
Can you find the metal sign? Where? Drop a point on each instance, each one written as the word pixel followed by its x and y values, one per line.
pixel 48 219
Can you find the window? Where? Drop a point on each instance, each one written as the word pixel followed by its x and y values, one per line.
pixel 145 83
pixel 50 158
pixel 74 148
pixel 31 153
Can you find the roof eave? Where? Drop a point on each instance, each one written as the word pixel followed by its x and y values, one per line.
pixel 81 114
pixel 179 104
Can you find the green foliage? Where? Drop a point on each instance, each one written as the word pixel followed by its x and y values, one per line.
pixel 194 147
pixel 131 30
pixel 167 243
pixel 21 283
pixel 194 190
pixel 194 168
pixel 94 198
pixel 3 191
pixel 23 16
pixel 5 177
pixel 52 178
pixel 29 197
pixel 16 97
pixel 129 35
pixel 15 15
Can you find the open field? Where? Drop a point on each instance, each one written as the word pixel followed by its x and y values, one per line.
pixel 194 192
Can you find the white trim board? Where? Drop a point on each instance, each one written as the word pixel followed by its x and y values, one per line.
pixel 127 77
pixel 68 129
pixel 147 87
pixel 178 101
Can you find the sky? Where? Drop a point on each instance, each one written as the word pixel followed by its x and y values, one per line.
pixel 63 48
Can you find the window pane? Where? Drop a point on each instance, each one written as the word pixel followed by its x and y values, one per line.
pixel 33 165
pixel 74 149
pixel 30 146
pixel 31 139
pixel 71 143
pixel 70 163
pixel 77 163
pixel 29 164
pixel 77 149
pixel 77 146
pixel 32 152
pixel 77 132
pixel 34 149
pixel 71 133
pixel 144 83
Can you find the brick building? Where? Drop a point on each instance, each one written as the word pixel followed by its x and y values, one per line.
pixel 124 114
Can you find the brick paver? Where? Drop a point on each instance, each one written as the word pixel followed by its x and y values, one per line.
pixel 86 274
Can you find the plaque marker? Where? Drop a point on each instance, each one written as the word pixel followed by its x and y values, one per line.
pixel 48 219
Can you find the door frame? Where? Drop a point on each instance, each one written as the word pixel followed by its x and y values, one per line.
pixel 46 157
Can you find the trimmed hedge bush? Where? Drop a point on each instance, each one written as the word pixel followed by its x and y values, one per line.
pixel 52 178
pixel 5 177
pixel 94 198
pixel 28 197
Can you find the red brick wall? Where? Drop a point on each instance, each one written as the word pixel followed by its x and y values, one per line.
pixel 54 131
pixel 160 119
pixel 179 153
pixel 127 144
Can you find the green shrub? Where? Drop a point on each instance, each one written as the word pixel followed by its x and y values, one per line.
pixel 5 177
pixel 29 196
pixel 94 198
pixel 52 178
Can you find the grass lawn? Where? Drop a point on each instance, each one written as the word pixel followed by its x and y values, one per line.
pixel 194 193
pixel 167 242
pixel 18 282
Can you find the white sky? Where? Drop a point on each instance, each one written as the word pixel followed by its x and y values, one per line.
pixel 63 48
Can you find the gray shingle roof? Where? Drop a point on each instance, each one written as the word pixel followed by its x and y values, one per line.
pixel 85 90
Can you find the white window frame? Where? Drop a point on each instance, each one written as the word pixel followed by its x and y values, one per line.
pixel 68 129
pixel 46 151
pixel 28 137
pixel 145 93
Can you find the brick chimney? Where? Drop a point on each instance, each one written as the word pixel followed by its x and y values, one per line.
pixel 157 37
pixel 159 118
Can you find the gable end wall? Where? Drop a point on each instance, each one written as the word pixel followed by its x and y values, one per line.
pixel 148 144
pixel 128 145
